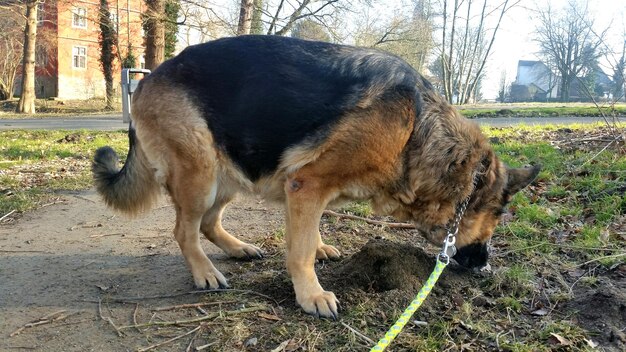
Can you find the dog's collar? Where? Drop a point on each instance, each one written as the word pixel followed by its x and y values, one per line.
pixel 449 249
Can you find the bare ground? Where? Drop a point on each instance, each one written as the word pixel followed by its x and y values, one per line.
pixel 70 255
pixel 82 273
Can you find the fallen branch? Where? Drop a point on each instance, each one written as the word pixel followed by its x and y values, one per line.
pixel 7 215
pixel 144 349
pixel 52 203
pixel 140 298
pixel 50 318
pixel 193 338
pixel 392 225
pixel 22 251
pixel 357 333
pixel 107 234
pixel 192 305
pixel 195 320
pixel 602 258
pixel 108 319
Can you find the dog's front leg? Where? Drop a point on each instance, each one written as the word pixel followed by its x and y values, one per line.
pixel 306 201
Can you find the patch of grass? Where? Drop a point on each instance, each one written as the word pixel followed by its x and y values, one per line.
pixel 362 209
pixel 511 303
pixel 36 164
pixel 50 107
pixel 538 214
pixel 542 111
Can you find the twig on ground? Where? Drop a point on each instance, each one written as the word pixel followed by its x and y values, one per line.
pixel 108 319
pixel 53 203
pixel 204 347
pixel 7 215
pixel 107 234
pixel 192 305
pixel 392 225
pixel 357 333
pixel 22 251
pixel 600 152
pixel 144 349
pixel 196 320
pixel 193 338
pixel 503 254
pixel 50 318
pixel 249 292
pixel 601 258
pixel 135 316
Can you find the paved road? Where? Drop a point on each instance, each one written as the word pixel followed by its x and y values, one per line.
pixel 103 123
pixel 113 122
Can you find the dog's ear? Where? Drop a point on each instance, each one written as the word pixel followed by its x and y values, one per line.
pixel 520 178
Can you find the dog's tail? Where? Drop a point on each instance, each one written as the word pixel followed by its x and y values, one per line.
pixel 133 188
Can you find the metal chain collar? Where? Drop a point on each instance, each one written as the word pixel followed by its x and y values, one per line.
pixel 449 249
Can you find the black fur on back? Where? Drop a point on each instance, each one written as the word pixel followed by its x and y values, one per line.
pixel 263 94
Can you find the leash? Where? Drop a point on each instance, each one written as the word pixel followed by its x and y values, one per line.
pixel 443 259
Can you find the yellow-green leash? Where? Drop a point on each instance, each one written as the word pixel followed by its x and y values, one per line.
pixel 443 259
pixel 408 312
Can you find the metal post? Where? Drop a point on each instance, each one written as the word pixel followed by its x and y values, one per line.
pixel 128 87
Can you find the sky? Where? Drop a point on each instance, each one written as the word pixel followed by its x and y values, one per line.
pixel 514 40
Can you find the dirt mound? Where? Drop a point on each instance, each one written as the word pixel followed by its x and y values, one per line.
pixel 603 313
pixel 382 265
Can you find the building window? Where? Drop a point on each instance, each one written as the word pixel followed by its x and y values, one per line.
pixel 115 21
pixel 40 13
pixel 79 57
pixel 79 17
pixel 142 61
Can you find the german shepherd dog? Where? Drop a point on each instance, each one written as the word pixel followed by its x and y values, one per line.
pixel 308 124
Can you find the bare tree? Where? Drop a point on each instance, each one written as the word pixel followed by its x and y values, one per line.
pixel 107 39
pixel 245 17
pixel 407 33
pixel 27 97
pixel 466 43
pixel 11 47
pixel 567 40
pixel 311 30
pixel 155 33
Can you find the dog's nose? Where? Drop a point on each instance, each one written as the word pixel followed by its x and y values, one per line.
pixel 473 255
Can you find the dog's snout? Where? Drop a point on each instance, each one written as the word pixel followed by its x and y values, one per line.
pixel 473 255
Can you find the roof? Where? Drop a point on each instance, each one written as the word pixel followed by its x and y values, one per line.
pixel 528 63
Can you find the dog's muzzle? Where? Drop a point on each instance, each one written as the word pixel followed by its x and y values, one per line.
pixel 474 255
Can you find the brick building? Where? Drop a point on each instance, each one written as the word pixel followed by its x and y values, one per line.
pixel 68 53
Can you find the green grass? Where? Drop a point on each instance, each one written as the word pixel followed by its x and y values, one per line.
pixel 36 164
pixel 541 111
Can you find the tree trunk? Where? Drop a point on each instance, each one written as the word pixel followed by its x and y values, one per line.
pixel 256 27
pixel 155 33
pixel 245 17
pixel 27 97
pixel 107 44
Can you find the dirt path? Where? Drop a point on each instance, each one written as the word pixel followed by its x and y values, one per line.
pixel 69 255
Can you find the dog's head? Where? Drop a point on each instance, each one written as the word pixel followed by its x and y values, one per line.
pixel 487 204
pixel 494 186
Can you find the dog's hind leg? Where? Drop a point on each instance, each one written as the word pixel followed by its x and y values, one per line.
pixel 326 251
pixel 190 186
pixel 212 229
pixel 306 200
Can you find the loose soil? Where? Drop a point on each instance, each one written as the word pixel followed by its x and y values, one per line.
pixel 78 257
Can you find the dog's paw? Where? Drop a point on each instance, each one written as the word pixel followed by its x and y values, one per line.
pixel 245 251
pixel 326 252
pixel 323 304
pixel 210 278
